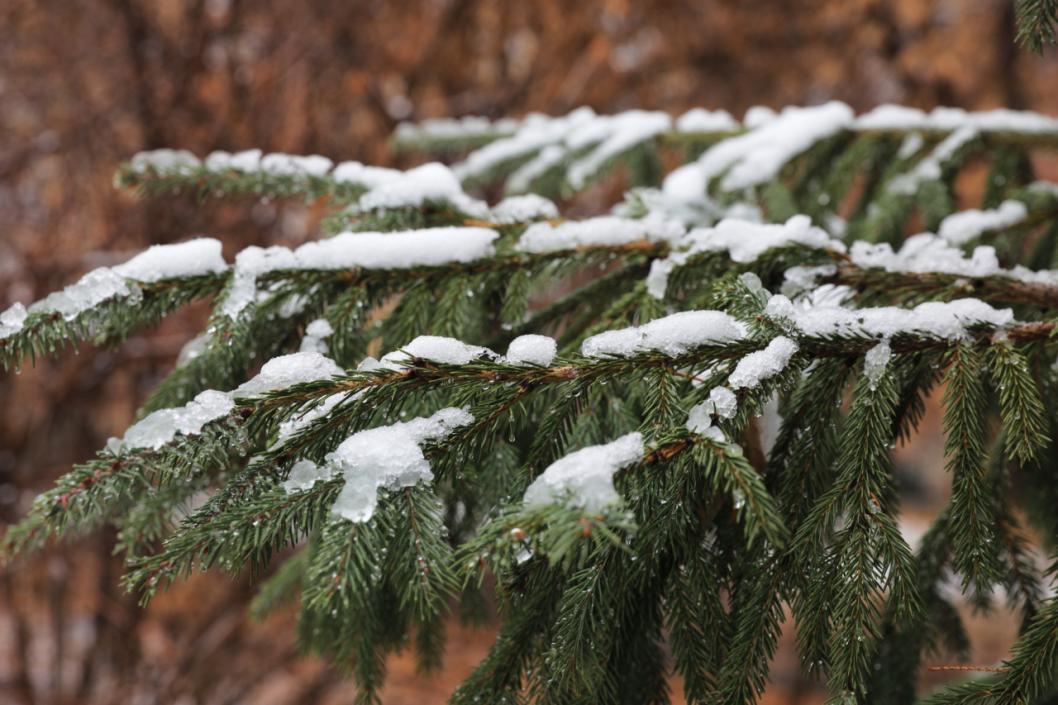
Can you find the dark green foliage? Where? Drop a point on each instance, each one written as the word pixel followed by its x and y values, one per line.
pixel 722 528
pixel 1036 23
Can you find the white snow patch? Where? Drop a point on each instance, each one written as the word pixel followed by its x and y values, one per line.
pixel 744 241
pixel 702 120
pixel 288 370
pixel 316 334
pixel 433 182
pixel 584 478
pixel 388 457
pixel 183 259
pixel 603 231
pixel 429 247
pixel 436 348
pixel 304 474
pixel 364 175
pixel 764 364
pixel 941 320
pixel 160 427
pixel 925 253
pixel 12 320
pixel 523 209
pixel 165 161
pixel 960 228
pixel 758 155
pixel 672 335
pixel 724 401
pixel 876 362
pixel 295 165
pixel 532 349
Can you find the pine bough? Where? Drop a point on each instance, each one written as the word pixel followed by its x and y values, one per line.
pixel 652 433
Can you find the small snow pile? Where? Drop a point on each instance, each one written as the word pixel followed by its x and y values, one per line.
pixel 724 401
pixel 280 164
pixel 672 335
pixel 316 334
pixel 584 478
pixel 364 175
pixel 288 370
pixel 436 348
pixel 388 457
pixel 525 349
pixel 429 247
pixel 246 161
pixel 304 474
pixel 764 364
pixel 12 320
pixel 429 183
pixel 961 228
pixel 185 259
pixel 160 427
pixel 523 209
pixel 603 231
pixel 930 167
pixel 532 349
pixel 702 120
pixel 621 133
pixel 742 240
pixel 940 320
pixel 758 155
pixel 165 161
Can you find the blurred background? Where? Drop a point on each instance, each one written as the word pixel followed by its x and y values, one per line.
pixel 85 84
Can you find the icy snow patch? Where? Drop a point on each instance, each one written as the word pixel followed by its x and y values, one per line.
pixel 876 361
pixel 584 478
pixel 195 257
pixel 12 320
pixel 724 401
pixel 304 474
pixel 388 457
pixel 288 370
pixel 764 364
pixel 160 427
